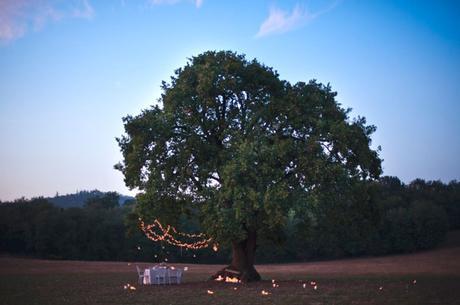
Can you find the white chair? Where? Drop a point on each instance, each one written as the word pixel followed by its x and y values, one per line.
pixel 148 276
pixel 140 273
pixel 153 277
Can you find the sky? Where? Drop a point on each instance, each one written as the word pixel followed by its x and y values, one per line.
pixel 70 70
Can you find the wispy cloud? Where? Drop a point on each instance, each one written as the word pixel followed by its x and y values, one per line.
pixel 198 3
pixel 281 21
pixel 84 11
pixel 20 16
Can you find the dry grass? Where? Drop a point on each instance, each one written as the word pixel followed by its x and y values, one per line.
pixel 382 280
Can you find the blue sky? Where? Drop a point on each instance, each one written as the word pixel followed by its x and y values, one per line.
pixel 70 70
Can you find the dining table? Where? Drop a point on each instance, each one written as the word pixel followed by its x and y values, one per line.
pixel 162 274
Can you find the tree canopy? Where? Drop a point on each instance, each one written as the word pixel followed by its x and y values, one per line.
pixel 236 148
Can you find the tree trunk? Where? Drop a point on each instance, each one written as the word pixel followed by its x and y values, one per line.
pixel 243 255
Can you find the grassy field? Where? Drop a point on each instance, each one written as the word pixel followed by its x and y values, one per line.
pixel 431 277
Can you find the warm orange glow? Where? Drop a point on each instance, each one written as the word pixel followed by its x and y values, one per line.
pixel 128 286
pixel 227 279
pixel 232 280
pixel 156 232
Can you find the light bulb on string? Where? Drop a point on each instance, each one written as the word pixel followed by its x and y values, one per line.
pixel 157 232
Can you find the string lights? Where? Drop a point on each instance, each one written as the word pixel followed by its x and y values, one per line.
pixel 157 232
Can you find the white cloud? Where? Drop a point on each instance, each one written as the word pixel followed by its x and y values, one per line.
pixel 17 17
pixel 280 21
pixel 198 3
pixel 84 11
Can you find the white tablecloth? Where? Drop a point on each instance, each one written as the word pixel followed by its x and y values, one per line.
pixel 162 276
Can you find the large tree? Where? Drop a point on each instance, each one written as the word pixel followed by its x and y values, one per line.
pixel 235 147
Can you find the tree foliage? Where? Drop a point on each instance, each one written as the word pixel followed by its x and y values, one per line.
pixel 238 148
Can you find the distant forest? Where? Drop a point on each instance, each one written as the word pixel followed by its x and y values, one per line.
pixel 92 225
pixel 80 197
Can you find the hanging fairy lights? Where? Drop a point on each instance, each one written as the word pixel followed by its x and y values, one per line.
pixel 157 232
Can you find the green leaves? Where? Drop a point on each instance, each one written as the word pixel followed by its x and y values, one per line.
pixel 239 146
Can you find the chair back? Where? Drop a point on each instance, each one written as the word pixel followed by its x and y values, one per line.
pixel 139 271
pixel 179 275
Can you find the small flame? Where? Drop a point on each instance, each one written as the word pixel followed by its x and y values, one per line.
pixel 215 247
pixel 128 286
pixel 232 279
pixel 210 292
pixel 227 279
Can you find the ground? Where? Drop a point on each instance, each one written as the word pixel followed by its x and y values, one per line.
pixel 430 277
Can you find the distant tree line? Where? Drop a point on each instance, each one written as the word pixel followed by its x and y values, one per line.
pixel 79 198
pixel 368 218
pixel 375 218
pixel 101 229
